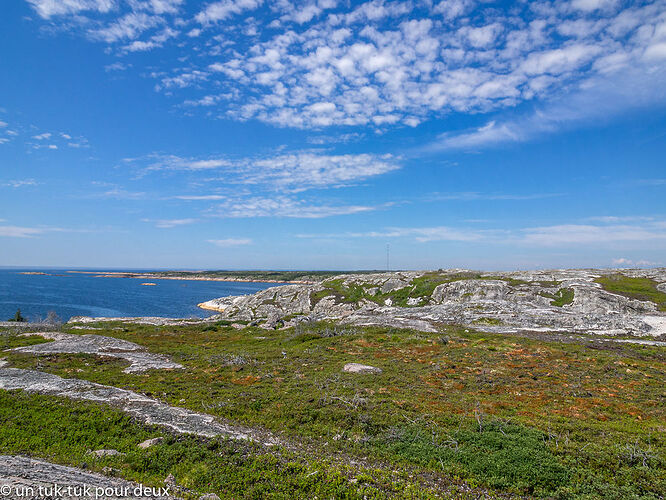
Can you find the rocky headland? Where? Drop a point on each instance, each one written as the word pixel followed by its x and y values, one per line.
pixel 603 302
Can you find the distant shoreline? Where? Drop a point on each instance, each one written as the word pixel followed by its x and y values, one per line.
pixel 121 274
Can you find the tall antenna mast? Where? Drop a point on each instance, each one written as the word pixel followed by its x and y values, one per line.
pixel 387 257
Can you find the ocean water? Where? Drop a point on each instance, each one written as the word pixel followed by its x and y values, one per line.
pixel 71 294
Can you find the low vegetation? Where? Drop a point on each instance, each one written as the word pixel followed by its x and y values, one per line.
pixel 419 290
pixel 66 432
pixel 510 415
pixel 634 288
pixel 562 297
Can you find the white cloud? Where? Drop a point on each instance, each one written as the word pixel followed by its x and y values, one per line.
pixel 629 87
pixel 57 140
pixel 588 234
pixel 153 42
pixel 295 172
pixel 281 206
pixel 451 9
pixel 219 11
pixel 591 5
pixel 202 197
pixel 381 64
pixel 420 234
pixel 127 27
pixel 651 182
pixel 322 140
pixel 119 194
pixel 474 196
pixel 29 232
pixel 557 236
pixel 377 66
pixel 20 183
pixel 624 262
pixel 169 223
pixel 164 6
pixel 19 232
pixel 231 242
pixel 49 8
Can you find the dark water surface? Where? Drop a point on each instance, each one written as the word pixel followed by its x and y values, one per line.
pixel 71 294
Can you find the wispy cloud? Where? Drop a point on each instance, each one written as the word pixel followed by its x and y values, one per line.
pixel 624 262
pixel 564 235
pixel 200 197
pixel 283 206
pixel 118 193
pixel 294 172
pixel 19 232
pixel 588 234
pixel 169 223
pixel 323 140
pixel 475 196
pixel 651 182
pixel 51 8
pixel 231 242
pixel 30 232
pixel 420 234
pixel 621 88
pixel 20 183
pixel 117 66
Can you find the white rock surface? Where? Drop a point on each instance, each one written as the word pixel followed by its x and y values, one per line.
pixel 358 368
pixel 106 453
pixel 143 408
pixel 21 473
pixel 499 302
pixel 150 442
pixel 140 359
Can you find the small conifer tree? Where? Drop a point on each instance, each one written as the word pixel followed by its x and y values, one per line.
pixel 17 317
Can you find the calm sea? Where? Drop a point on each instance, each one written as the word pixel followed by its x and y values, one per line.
pixel 70 294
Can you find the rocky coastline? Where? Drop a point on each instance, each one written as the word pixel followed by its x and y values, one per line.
pixel 504 302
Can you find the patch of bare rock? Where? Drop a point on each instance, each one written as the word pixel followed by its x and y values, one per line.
pixel 150 442
pixel 140 360
pixel 106 453
pixel 359 368
pixel 147 410
pixel 22 478
pixel 140 320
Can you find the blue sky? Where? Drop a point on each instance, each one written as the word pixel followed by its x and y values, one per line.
pixel 309 134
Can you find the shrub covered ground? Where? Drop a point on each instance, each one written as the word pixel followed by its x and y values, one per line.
pixel 454 410
pixel 634 288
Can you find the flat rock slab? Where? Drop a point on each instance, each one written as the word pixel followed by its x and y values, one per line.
pixel 140 359
pixel 150 442
pixel 145 409
pixel 21 475
pixel 141 320
pixel 107 453
pixel 358 368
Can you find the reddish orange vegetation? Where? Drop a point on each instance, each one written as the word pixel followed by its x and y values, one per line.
pixel 249 380
pixel 365 343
